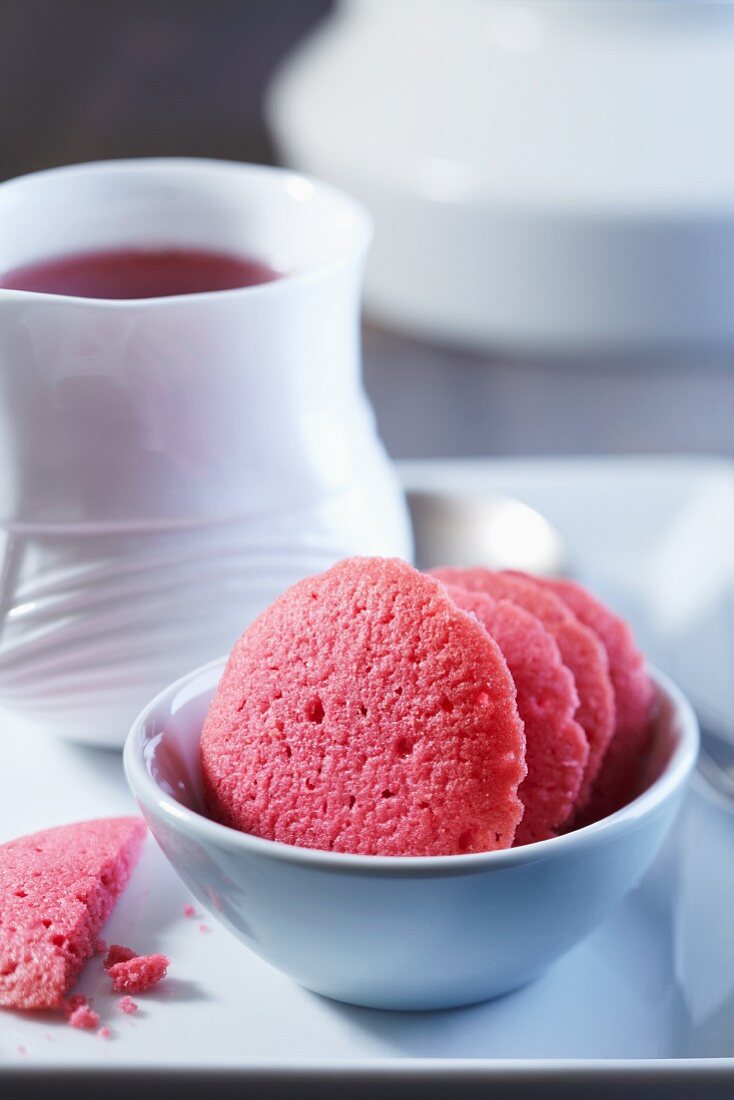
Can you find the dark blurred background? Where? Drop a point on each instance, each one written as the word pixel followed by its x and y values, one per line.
pixel 88 79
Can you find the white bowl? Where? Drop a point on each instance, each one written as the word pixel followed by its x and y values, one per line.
pixel 399 932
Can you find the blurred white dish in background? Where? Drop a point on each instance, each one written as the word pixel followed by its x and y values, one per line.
pixel 169 465
pixel 544 175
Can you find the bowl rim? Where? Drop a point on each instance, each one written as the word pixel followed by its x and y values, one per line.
pixel 150 795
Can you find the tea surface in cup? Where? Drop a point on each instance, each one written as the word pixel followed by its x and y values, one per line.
pixel 126 273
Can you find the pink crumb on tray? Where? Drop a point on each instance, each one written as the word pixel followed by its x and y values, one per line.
pixel 84 1018
pixel 105 1033
pixel 57 887
pixel 189 911
pixel 127 1005
pixel 78 1013
pixel 118 954
pixel 139 973
pixel 70 1004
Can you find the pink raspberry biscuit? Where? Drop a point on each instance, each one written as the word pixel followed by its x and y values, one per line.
pixel 634 696
pixel 364 712
pixel 581 651
pixel 57 888
pixel 557 747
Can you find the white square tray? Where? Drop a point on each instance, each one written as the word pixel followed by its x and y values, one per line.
pixel 645 1006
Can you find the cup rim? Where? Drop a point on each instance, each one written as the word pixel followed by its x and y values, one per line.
pixel 357 249
pixel 150 794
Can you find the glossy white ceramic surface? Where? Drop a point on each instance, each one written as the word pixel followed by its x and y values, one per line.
pixel 644 1006
pixel 168 465
pixel 398 932
pixel 558 180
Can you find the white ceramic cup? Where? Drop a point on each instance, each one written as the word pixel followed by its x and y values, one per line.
pixel 168 465
pixel 418 932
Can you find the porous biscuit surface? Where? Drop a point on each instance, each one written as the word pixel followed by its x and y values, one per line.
pixel 634 696
pixel 364 712
pixel 557 747
pixel 57 887
pixel 581 651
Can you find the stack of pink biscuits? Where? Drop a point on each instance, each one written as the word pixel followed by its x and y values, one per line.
pixel 374 709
